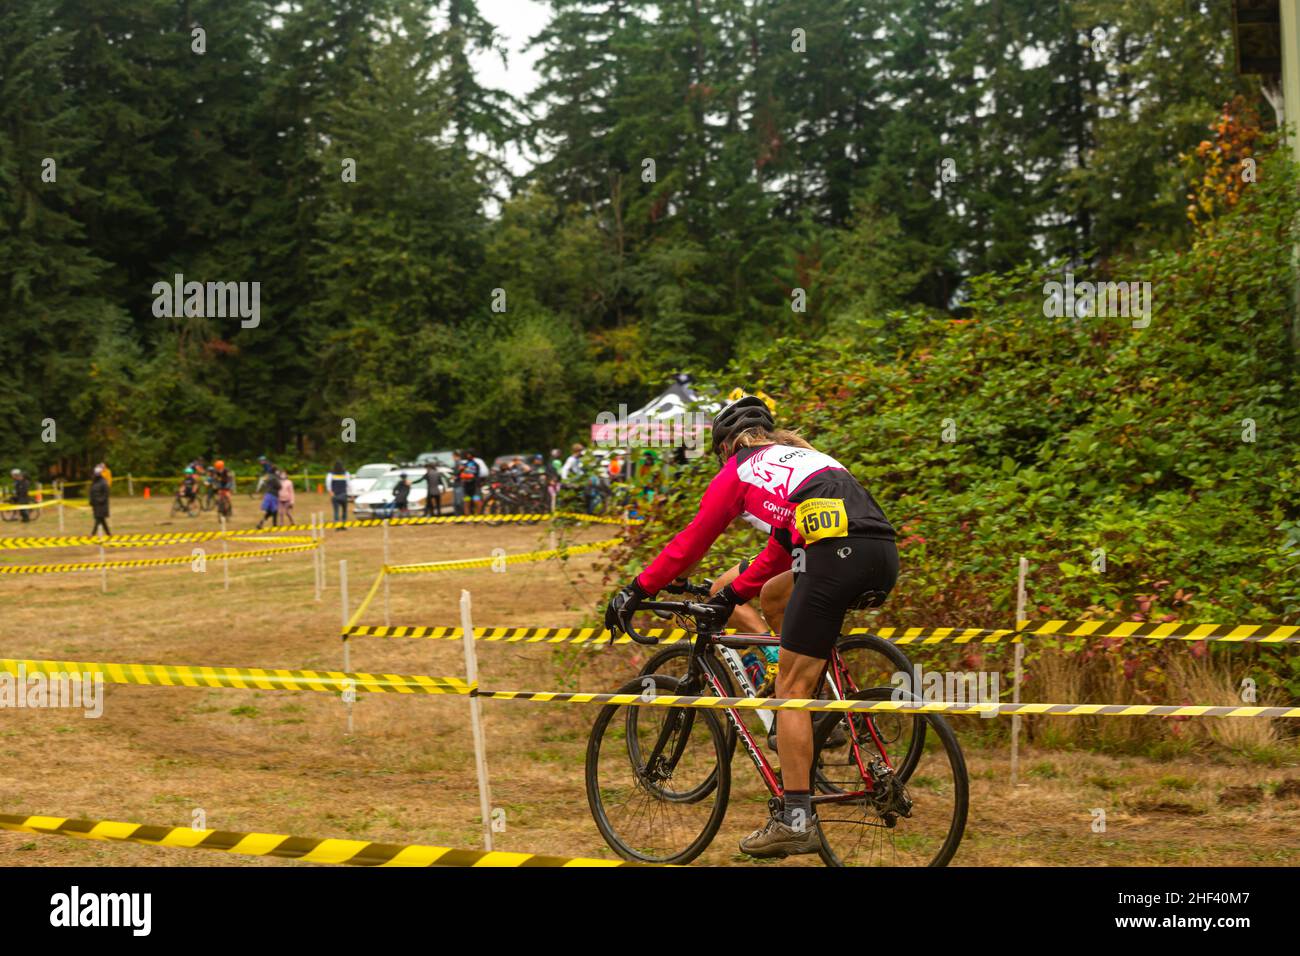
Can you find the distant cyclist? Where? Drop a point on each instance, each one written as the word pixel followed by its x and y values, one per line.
pixel 829 539
pixel 223 480
pixel 189 489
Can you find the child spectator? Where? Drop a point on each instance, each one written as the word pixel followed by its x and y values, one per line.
pixel 286 497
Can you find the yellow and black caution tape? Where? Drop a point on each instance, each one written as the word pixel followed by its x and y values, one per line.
pixel 47 503
pixel 306 849
pixel 895 706
pixel 939 635
pixel 149 562
pixel 254 678
pixel 523 558
pixel 435 566
pixel 244 678
pixel 1248 633
pixel 598 635
pixel 1255 633
pixel 186 537
pixel 518 635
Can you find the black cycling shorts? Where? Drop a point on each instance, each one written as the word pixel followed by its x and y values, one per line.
pixel 839 574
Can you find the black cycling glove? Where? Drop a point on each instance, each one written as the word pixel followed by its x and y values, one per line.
pixel 725 601
pixel 622 606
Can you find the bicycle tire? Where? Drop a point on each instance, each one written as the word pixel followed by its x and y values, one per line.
pixel 956 825
pixel 618 755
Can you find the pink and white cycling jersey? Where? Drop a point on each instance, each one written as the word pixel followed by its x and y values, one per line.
pixel 765 485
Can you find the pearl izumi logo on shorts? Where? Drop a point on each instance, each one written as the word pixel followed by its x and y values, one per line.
pixel 213 300
pixel 132 910
pixel 844 552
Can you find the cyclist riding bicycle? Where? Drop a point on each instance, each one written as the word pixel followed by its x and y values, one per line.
pixel 189 489
pixel 223 481
pixel 830 544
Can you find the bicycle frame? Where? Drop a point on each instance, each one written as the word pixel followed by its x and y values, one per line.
pixel 836 678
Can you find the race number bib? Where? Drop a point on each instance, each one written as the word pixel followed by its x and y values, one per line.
pixel 819 518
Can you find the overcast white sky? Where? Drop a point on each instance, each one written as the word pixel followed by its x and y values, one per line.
pixel 516 21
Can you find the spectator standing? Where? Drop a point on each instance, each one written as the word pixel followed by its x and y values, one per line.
pixel 98 496
pixel 401 494
pixel 434 486
pixel 286 497
pixel 572 467
pixel 457 489
pixel 270 498
pixel 22 492
pixel 108 475
pixel 469 477
pixel 339 484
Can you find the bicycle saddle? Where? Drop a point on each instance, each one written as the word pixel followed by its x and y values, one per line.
pixel 869 599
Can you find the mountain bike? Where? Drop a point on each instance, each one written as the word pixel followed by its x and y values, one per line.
pixel 892 791
pixel 224 505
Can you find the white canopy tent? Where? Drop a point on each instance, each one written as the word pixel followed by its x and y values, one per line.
pixel 677 417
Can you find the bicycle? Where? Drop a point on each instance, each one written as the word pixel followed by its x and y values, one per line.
pixel 208 498
pixel 866 661
pixel 224 504
pixel 881 795
pixel 33 513
pixel 185 504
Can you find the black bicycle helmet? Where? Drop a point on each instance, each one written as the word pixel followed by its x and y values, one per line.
pixel 748 412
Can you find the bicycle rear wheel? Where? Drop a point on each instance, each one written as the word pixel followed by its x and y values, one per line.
pixel 873 816
pixel 658 778
pixel 871 661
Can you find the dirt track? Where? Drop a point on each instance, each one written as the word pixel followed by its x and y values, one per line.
pixel 283 762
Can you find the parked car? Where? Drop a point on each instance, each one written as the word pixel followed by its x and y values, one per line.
pixel 378 501
pixel 501 461
pixel 367 475
pixel 445 458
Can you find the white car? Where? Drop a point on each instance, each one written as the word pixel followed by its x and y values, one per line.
pixel 378 501
pixel 366 477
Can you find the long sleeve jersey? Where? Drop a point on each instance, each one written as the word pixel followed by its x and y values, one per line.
pixel 765 486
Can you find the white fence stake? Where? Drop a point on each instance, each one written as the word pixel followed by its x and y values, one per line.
pixel 475 720
pixel 387 609
pixel 347 645
pixel 1019 671
pixel 59 488
pixel 321 549
pixel 225 549
pixel 130 486
pixel 103 571
pixel 315 558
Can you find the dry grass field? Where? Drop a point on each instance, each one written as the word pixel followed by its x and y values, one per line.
pixel 283 762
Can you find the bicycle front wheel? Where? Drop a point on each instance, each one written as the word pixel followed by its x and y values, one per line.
pixel 658 778
pixel 872 816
